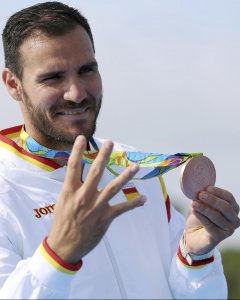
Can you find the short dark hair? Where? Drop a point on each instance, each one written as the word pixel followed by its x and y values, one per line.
pixel 50 18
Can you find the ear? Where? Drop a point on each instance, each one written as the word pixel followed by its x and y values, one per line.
pixel 12 84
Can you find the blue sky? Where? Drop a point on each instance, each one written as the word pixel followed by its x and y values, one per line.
pixel 171 74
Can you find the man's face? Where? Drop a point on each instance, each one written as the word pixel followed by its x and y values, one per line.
pixel 61 88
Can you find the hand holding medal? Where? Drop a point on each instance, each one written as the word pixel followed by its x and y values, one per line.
pixel 214 212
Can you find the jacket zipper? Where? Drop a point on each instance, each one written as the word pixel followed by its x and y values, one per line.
pixel 115 268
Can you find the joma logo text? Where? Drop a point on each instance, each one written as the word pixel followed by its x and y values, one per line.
pixel 44 210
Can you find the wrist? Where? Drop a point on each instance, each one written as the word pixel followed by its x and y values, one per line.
pixel 64 250
pixel 59 261
pixel 190 258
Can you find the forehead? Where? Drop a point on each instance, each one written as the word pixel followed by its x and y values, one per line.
pixel 40 50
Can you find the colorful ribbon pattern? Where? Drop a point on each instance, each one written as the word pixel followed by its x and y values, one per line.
pixel 159 164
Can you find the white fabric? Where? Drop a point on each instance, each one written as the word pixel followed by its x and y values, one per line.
pixel 136 259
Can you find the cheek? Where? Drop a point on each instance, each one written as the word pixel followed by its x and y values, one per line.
pixel 47 98
pixel 96 86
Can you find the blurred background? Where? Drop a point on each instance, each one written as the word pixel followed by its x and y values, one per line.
pixel 171 73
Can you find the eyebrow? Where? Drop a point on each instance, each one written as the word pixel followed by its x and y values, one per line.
pixel 93 64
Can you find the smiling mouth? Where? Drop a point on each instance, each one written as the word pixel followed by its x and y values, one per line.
pixel 73 112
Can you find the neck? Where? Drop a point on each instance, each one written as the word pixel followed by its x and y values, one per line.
pixel 47 141
pixel 31 145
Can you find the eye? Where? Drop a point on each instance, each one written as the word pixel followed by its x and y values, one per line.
pixel 52 77
pixel 86 69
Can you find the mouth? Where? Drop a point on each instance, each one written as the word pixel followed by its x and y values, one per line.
pixel 73 112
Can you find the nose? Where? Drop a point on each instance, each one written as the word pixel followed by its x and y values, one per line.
pixel 75 91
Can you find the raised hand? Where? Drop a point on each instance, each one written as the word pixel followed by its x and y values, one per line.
pixel 83 213
pixel 212 218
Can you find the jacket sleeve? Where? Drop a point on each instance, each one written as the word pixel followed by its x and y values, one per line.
pixel 38 277
pixel 205 281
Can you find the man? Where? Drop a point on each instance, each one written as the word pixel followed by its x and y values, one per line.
pixel 52 72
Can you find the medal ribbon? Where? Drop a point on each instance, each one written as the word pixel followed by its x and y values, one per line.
pixel 158 163
pixel 161 163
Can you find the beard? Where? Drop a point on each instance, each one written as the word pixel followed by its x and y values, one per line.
pixel 45 122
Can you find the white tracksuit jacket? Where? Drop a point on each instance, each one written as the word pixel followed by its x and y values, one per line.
pixel 136 258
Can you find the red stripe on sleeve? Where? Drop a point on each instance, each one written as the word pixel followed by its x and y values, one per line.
pixel 196 263
pixel 59 260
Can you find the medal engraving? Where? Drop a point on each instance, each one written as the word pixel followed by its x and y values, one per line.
pixel 196 174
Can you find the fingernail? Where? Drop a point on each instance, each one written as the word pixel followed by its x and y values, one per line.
pixel 142 199
pixel 81 141
pixel 203 195
pixel 80 138
pixel 108 145
pixel 210 189
pixel 196 204
pixel 134 167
